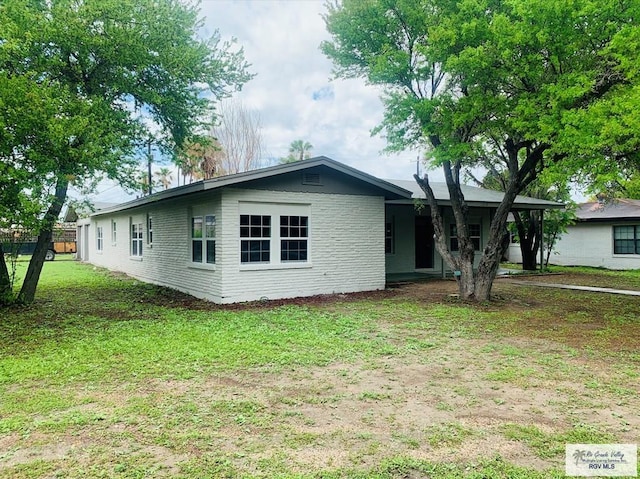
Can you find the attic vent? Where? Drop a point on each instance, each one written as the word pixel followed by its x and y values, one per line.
pixel 311 179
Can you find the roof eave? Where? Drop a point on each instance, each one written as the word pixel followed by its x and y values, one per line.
pixel 391 190
pixel 487 204
pixel 154 198
pixel 303 165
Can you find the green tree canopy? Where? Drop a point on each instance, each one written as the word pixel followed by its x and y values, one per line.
pixel 528 84
pixel 84 83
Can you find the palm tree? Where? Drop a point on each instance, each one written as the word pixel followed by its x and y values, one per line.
pixel 200 160
pixel 165 178
pixel 298 150
pixel 142 182
pixel 189 163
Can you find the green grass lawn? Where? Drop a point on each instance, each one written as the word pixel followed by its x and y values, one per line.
pixel 105 376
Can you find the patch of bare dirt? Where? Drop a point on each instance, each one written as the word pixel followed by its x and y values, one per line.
pixel 448 403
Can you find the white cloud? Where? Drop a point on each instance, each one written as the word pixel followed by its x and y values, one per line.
pixel 293 91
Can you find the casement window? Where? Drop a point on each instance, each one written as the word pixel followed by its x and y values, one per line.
pixel 136 239
pixel 114 232
pixel 255 238
pixel 626 239
pixel 149 230
pixel 389 237
pixel 99 238
pixel 474 235
pixel 203 239
pixel 294 231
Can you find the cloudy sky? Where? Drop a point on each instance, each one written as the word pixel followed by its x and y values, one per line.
pixel 293 91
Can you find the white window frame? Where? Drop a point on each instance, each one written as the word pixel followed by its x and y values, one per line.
pixel 136 238
pixel 255 230
pixel 114 232
pixel 149 230
pixel 99 239
pixel 292 233
pixel 206 239
pixel 275 210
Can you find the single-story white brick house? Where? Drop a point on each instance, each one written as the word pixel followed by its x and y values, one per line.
pixel 297 229
pixel 605 235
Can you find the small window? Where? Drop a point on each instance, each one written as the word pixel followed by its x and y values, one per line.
pixel 149 230
pixel 255 234
pixel 474 236
pixel 99 238
pixel 136 239
pixel 389 240
pixel 626 239
pixel 114 233
pixel 203 239
pixel 294 231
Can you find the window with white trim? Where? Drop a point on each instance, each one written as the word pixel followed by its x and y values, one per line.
pixel 136 239
pixel 294 231
pixel 203 239
pixel 149 230
pixel 274 235
pixel 626 239
pixel 114 234
pixel 255 238
pixel 475 233
pixel 99 238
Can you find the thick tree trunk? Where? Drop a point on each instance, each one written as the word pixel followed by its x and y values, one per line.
pixel 438 222
pixel 28 290
pixel 490 262
pixel 497 244
pixel 529 234
pixel 466 280
pixel 461 264
pixel 529 259
pixel 6 293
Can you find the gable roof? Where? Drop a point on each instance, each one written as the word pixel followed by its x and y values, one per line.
pixel 384 188
pixel 618 209
pixel 474 196
pixel 73 213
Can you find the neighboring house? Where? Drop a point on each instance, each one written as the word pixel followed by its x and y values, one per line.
pixel 298 229
pixel 605 235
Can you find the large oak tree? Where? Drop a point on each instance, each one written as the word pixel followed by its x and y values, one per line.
pixel 83 84
pixel 527 84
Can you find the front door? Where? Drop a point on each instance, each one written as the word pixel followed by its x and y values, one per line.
pixel 424 242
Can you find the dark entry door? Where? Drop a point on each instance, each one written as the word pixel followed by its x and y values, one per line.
pixel 424 242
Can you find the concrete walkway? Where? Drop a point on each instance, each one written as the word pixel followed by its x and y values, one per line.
pixel 627 292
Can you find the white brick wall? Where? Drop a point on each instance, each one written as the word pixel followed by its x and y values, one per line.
pixel 591 244
pixel 346 247
pixel 167 261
